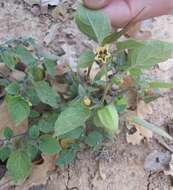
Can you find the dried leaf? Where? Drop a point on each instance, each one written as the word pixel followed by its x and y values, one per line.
pixel 143 109
pixel 65 143
pixel 39 173
pixel 17 75
pixel 7 122
pixel 60 87
pixel 62 69
pixel 134 138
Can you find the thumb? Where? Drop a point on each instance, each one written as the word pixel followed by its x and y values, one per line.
pixel 96 4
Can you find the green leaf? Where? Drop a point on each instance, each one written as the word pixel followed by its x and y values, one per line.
pixel 110 38
pixel 19 165
pixel 107 118
pixel 86 59
pixel 8 57
pixel 34 114
pixel 94 138
pixel 128 44
pixel 74 134
pixel 50 67
pixel 35 73
pixel 4 153
pixel 25 56
pixel 94 24
pixel 151 53
pixel 18 108
pixel 32 95
pixel 161 85
pixel 46 94
pixel 34 131
pixel 81 91
pixel 8 133
pixel 31 149
pixel 121 104
pixel 47 122
pixel 49 145
pixel 13 89
pixel 151 127
pixel 71 118
pixel 68 155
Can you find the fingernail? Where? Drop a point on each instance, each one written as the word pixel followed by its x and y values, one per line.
pixel 96 4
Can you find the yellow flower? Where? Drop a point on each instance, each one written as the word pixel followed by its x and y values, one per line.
pixel 87 101
pixel 102 54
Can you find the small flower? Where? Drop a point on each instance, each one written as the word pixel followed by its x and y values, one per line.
pixel 102 54
pixel 87 101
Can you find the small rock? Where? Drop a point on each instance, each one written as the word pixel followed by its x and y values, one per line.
pixel 157 161
pixel 165 66
pixel 36 10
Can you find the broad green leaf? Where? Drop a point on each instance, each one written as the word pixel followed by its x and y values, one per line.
pixel 107 118
pixel 71 118
pixel 151 53
pixel 8 57
pixel 68 155
pixel 86 59
pixel 94 24
pixel 81 91
pixel 121 104
pixel 32 95
pixel 25 56
pixel 46 94
pixel 8 133
pixel 34 114
pixel 49 145
pixel 111 38
pixel 50 67
pixel 31 149
pixel 128 44
pixel 74 134
pixel 34 131
pixel 151 127
pixel 13 89
pixel 4 153
pixel 18 108
pixel 161 85
pixel 101 73
pixel 35 73
pixel 94 138
pixel 19 165
pixel 47 122
pixel 121 63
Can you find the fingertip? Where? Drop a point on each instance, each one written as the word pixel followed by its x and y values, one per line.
pixel 96 4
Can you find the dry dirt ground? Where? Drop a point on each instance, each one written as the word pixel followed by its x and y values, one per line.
pixel 118 166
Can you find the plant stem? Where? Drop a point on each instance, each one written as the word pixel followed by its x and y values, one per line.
pixel 15 136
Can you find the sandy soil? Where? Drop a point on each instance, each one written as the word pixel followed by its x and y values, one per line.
pixel 118 166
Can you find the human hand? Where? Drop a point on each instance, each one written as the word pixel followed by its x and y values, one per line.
pixel 122 11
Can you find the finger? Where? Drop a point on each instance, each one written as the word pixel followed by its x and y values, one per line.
pixel 96 4
pixel 119 12
pixel 122 11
